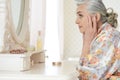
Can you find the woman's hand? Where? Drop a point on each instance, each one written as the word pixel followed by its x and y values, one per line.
pixel 89 34
pixel 91 30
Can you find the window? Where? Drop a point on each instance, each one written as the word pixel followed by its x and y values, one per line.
pixel 54 32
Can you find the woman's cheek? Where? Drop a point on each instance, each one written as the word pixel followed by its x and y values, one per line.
pixel 85 27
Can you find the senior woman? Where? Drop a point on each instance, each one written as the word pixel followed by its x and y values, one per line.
pixel 101 41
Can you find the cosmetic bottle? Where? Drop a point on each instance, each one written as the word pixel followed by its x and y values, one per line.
pixel 39 42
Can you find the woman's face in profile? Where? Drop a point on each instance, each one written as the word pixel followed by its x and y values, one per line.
pixel 82 18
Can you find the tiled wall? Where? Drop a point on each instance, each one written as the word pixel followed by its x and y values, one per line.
pixel 72 36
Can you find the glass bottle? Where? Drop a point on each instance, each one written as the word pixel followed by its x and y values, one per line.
pixel 39 42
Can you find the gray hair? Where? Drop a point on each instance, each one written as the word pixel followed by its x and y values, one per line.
pixel 94 6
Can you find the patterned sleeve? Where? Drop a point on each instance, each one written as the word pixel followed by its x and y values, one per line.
pixel 116 59
pixel 100 60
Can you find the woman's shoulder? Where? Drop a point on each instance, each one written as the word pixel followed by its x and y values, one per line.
pixel 110 30
pixel 108 33
pixel 112 35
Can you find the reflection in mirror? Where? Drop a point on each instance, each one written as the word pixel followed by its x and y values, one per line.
pixel 17 13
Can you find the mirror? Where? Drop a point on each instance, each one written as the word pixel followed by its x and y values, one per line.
pixel 17 33
pixel 17 13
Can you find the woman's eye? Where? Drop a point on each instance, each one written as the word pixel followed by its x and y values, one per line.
pixel 80 15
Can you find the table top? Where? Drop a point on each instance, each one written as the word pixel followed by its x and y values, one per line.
pixel 45 70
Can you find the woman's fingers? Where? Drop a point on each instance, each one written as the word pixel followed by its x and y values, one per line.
pixel 91 30
pixel 94 23
pixel 90 22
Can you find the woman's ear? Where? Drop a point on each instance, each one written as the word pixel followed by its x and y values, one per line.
pixel 98 17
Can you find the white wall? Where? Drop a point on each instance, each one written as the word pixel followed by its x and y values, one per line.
pixel 72 37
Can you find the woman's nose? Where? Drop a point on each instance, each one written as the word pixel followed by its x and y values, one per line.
pixel 77 21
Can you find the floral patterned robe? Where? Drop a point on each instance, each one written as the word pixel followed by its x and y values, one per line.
pixel 101 63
